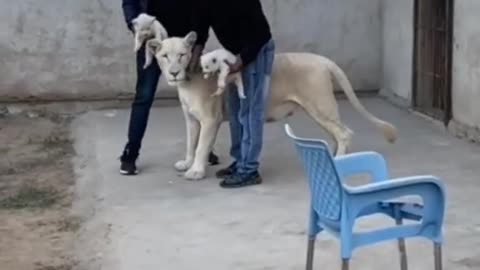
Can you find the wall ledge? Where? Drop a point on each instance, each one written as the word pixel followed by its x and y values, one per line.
pixel 455 127
pixel 464 131
pixel 394 99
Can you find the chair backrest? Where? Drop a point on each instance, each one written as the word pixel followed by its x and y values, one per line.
pixel 324 184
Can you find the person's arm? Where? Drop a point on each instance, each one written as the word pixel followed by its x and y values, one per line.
pixel 249 52
pixel 131 9
pixel 200 21
pixel 250 48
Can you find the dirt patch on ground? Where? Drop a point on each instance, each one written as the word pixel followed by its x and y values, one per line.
pixel 36 191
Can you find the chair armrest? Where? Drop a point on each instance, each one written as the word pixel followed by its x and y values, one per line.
pixel 428 187
pixel 394 184
pixel 362 162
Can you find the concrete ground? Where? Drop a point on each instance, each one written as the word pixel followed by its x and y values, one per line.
pixel 158 220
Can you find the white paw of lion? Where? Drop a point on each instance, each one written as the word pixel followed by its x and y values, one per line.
pixel 195 174
pixel 183 165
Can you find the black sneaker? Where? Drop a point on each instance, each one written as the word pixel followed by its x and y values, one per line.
pixel 238 180
pixel 226 172
pixel 213 159
pixel 128 168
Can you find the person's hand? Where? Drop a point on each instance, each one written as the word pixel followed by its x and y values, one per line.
pixel 194 64
pixel 235 67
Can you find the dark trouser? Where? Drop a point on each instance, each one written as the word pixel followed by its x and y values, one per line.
pixel 147 82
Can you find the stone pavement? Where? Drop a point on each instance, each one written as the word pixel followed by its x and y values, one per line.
pixel 159 221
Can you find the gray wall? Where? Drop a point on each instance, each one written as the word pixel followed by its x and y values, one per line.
pixel 466 63
pixel 64 49
pixel 397 57
pixel 397 47
pixel 348 31
pixel 68 49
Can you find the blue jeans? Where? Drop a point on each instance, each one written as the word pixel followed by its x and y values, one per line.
pixel 147 81
pixel 246 117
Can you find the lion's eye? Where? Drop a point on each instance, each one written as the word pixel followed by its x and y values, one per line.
pixel 182 55
pixel 165 56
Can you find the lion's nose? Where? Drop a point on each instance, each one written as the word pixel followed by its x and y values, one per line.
pixel 174 73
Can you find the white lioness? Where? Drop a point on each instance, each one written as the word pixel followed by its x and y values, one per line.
pixel 297 80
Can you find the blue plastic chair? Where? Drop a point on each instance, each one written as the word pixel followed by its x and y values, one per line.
pixel 334 206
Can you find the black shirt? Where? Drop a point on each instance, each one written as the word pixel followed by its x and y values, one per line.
pixel 177 16
pixel 131 9
pixel 240 26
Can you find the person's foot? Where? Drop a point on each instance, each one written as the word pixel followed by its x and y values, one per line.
pixel 226 172
pixel 241 180
pixel 128 166
pixel 213 159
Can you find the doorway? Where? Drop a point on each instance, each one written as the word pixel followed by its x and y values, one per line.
pixel 432 58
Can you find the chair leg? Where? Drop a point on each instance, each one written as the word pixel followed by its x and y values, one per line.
pixel 345 264
pixel 438 256
pixel 310 252
pixel 403 254
pixel 402 248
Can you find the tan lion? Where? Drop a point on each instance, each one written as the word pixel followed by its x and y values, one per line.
pixel 298 80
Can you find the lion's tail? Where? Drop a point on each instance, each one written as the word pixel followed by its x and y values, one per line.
pixel 389 131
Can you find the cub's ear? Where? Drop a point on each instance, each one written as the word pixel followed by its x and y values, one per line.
pixel 134 23
pixel 190 38
pixel 153 45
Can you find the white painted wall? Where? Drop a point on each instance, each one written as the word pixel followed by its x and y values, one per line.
pixel 466 63
pixel 397 58
pixel 71 49
pixel 397 49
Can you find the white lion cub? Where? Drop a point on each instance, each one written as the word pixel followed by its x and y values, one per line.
pixel 147 27
pixel 215 62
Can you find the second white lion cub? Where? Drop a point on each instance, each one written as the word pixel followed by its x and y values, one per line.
pixel 146 27
pixel 215 62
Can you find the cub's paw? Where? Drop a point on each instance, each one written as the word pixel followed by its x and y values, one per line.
pixel 218 92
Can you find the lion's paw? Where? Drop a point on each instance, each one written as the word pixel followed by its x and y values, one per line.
pixel 183 165
pixel 195 174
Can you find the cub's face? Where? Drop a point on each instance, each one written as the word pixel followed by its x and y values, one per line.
pixel 209 63
pixel 143 22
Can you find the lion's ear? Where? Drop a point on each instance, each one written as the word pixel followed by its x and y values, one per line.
pixel 190 38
